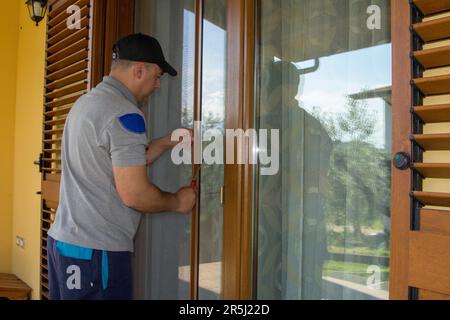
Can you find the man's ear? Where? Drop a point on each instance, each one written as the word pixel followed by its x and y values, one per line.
pixel 138 70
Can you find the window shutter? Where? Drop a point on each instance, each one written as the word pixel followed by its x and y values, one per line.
pixel 425 262
pixel 73 66
pixel 76 60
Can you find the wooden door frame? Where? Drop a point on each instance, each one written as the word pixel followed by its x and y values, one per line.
pixel 401 131
pixel 239 223
pixel 238 218
pixel 119 23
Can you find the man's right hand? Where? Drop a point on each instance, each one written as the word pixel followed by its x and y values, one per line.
pixel 186 198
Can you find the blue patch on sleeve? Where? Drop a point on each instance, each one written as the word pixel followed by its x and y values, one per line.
pixel 133 122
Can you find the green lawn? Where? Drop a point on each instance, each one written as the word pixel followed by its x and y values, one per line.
pixel 331 267
pixel 359 250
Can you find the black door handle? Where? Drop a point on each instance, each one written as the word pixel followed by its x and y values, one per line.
pixel 402 161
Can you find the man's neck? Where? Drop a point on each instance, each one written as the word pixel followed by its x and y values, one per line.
pixel 123 80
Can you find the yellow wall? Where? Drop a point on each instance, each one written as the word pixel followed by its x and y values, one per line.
pixel 29 100
pixel 9 25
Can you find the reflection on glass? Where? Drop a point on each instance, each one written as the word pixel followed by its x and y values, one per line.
pixel 162 263
pixel 323 220
pixel 212 177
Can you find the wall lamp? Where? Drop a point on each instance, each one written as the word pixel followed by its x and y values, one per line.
pixel 37 9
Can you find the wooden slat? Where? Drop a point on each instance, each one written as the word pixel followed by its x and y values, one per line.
pixel 81 65
pixel 73 48
pixel 51 160
pixel 74 37
pixel 52 141
pixel 433 58
pixel 437 221
pixel 434 114
pixel 79 76
pixel 433 198
pixel 429 7
pixel 46 221
pixel 48 211
pixel 429 262
pixel 433 85
pixel 66 32
pixel 81 55
pixel 433 142
pixel 77 87
pixel 63 24
pixel 57 17
pixel 55 150
pixel 45 294
pixel 433 170
pixel 433 30
pixel 55 122
pixel 54 131
pixel 52 170
pixel 63 102
pixel 58 112
pixel 59 8
pixel 45 285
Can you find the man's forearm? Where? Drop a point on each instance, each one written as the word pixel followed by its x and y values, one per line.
pixel 156 149
pixel 153 200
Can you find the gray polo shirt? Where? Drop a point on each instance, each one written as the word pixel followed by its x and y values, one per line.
pixel 104 128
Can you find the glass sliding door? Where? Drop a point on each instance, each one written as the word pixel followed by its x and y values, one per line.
pixel 324 81
pixel 163 243
pixel 214 75
pixel 165 265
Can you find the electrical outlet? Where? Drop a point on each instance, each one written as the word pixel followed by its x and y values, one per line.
pixel 20 242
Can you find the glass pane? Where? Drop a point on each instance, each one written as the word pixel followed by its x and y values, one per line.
pixel 325 83
pixel 212 174
pixel 162 259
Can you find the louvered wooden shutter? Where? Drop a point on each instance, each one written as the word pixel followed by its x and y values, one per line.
pixel 73 66
pixel 76 61
pixel 427 268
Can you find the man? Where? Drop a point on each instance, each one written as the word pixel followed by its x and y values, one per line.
pixel 104 183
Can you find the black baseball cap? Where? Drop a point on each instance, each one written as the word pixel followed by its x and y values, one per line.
pixel 142 48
